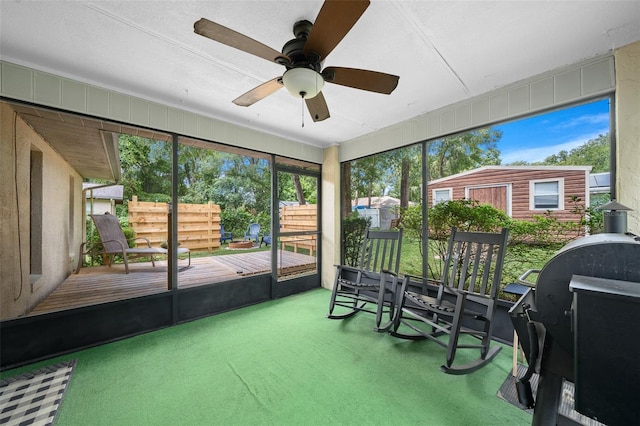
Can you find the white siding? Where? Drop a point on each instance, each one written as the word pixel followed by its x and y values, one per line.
pixel 25 84
pixel 586 80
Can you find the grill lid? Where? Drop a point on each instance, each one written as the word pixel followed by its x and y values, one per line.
pixel 609 256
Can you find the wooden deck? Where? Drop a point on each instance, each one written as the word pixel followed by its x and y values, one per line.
pixel 100 284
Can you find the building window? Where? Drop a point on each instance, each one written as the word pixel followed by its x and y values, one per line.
pixel 546 194
pixel 442 195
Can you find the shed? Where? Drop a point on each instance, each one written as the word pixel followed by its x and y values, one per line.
pixel 381 210
pixel 520 191
pixel 102 198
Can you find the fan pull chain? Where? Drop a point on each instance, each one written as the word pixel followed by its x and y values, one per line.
pixel 302 109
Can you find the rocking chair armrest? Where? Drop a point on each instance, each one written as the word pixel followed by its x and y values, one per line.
pixel 456 292
pixel 478 298
pixel 421 278
pixel 417 277
pixel 404 283
pixel 374 275
pixel 346 268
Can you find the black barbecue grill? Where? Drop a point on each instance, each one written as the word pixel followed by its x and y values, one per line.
pixel 581 322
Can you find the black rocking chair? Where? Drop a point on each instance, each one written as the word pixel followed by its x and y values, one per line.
pixel 373 282
pixel 465 302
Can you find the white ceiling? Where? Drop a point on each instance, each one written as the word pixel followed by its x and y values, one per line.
pixel 443 51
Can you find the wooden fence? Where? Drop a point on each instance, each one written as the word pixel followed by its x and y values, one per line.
pixel 198 224
pixel 299 218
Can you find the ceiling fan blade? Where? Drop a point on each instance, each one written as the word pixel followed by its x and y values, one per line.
pixel 317 107
pixel 232 38
pixel 372 81
pixel 260 92
pixel 335 19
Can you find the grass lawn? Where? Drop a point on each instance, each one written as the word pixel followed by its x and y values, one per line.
pixel 518 259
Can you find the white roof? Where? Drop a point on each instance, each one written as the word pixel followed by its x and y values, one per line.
pixel 505 168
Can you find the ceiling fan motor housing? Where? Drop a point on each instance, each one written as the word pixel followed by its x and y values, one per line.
pixel 294 49
pixel 302 29
pixel 302 78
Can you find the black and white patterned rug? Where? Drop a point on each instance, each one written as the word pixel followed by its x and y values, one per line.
pixel 34 398
pixel 508 392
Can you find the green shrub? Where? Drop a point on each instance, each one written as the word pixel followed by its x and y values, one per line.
pixel 466 215
pixel 532 242
pixel 544 230
pixel 353 228
pixel 236 220
pixel 411 222
pixel 591 218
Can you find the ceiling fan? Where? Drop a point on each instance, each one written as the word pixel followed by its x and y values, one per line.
pixel 303 57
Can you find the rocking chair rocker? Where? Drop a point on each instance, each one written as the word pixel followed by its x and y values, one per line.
pixel 373 282
pixel 467 291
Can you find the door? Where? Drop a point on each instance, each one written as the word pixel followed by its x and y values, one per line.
pixel 295 237
pixel 497 196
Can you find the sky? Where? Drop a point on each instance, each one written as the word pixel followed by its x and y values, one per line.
pixel 535 138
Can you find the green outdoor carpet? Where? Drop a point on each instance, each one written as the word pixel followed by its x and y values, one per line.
pixel 279 363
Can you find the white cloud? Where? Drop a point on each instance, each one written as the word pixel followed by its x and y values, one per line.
pixel 583 120
pixel 532 155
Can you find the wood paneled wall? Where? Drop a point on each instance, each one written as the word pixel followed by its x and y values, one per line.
pixel 198 224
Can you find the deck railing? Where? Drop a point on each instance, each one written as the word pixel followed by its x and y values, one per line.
pixel 299 218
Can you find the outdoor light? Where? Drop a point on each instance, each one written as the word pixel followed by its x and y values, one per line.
pixel 303 82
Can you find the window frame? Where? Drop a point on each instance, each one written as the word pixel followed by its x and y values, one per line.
pixel 532 194
pixel 435 190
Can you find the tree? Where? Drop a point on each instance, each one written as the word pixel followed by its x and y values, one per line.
pixel 365 173
pixel 244 181
pixel 198 168
pixel 404 182
pixel 146 168
pixel 466 151
pixel 405 174
pixel 594 152
pixel 345 192
pixel 299 191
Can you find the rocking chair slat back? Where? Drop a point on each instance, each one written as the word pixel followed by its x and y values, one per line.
pixel 472 273
pixel 373 283
pixel 381 250
pixel 470 263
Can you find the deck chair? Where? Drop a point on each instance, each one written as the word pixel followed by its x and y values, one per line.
pixel 371 286
pixel 465 302
pixel 253 232
pixel 113 241
pixel 224 235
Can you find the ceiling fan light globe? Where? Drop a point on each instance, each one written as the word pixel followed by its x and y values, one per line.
pixel 303 82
